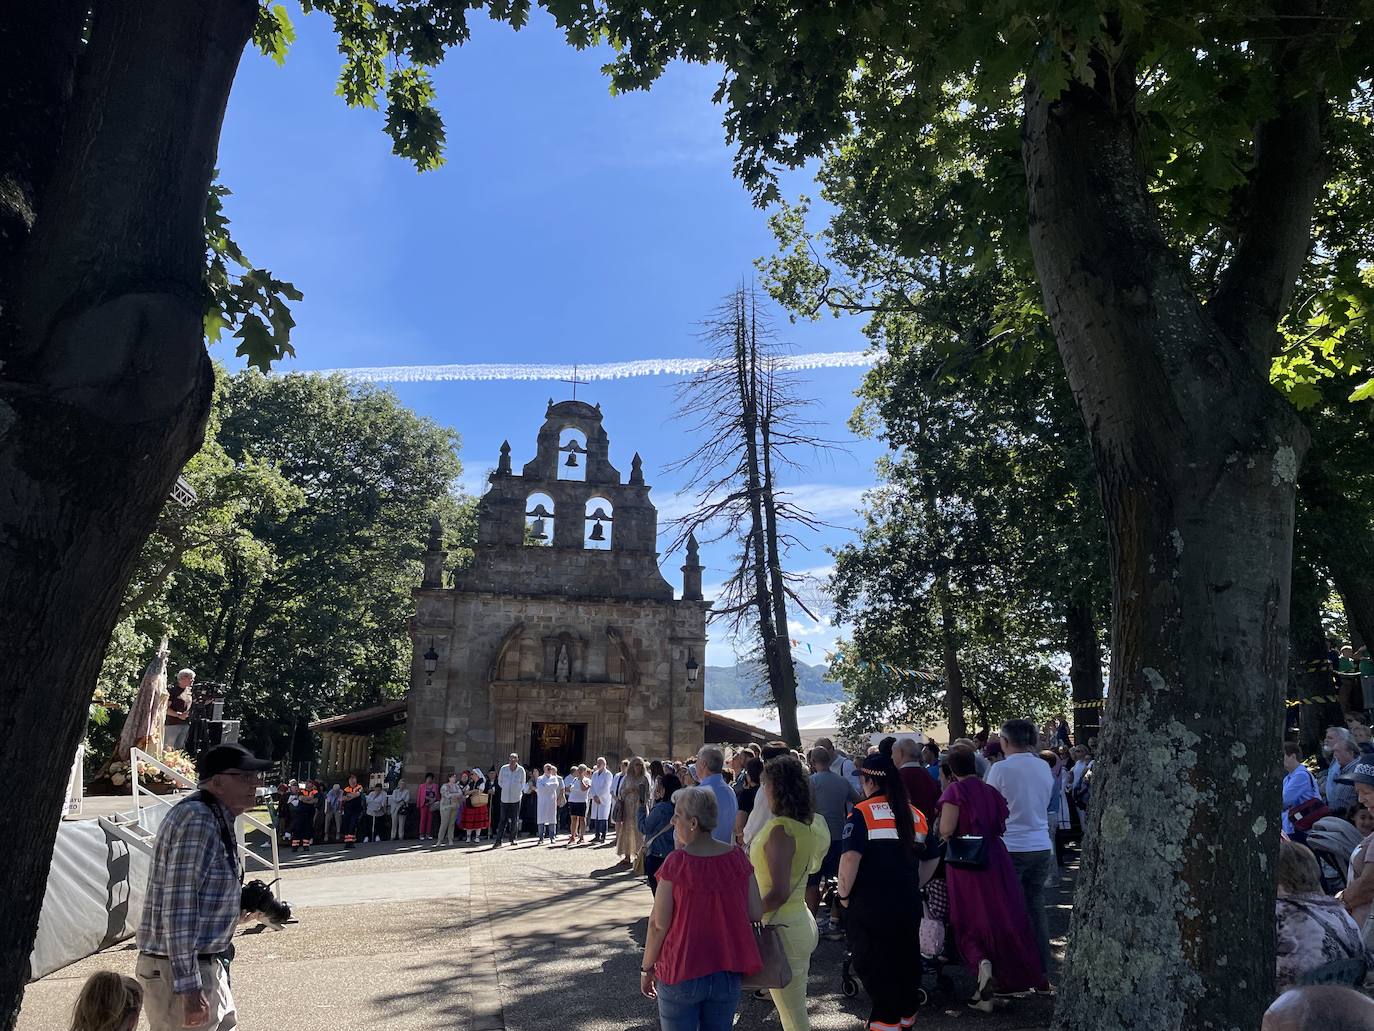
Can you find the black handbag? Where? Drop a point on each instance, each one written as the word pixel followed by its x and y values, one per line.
pixel 969 851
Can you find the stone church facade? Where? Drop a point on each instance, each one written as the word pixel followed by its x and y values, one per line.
pixel 561 641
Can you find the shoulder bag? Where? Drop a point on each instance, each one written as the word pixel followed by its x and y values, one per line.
pixel 1304 815
pixel 643 850
pixel 968 851
pixel 776 972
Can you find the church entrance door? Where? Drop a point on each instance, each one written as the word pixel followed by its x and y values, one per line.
pixel 562 744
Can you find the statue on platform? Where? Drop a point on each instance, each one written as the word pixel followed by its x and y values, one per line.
pixel 562 668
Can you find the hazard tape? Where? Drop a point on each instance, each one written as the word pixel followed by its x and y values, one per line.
pixel 1324 666
pixel 1316 699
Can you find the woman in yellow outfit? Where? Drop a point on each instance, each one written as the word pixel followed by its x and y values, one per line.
pixel 788 847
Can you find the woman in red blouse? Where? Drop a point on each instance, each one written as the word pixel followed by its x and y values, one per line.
pixel 700 941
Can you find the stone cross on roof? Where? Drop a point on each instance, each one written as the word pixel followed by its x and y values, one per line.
pixel 575 382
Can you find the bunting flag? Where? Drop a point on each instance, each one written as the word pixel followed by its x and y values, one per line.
pixel 886 667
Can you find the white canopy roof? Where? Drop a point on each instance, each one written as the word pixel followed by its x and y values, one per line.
pixel 817 721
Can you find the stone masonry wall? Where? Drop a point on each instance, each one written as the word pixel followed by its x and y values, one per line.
pixel 460 717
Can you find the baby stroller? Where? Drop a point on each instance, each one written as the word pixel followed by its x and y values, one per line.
pixel 937 938
pixel 1331 840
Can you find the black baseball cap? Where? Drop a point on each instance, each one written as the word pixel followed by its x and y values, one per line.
pixel 1360 773
pixel 228 757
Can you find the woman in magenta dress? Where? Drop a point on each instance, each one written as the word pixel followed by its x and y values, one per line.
pixel 986 907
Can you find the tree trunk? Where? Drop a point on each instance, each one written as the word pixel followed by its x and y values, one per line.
pixel 1355 580
pixel 1311 670
pixel 954 674
pixel 105 389
pixel 781 686
pixel 786 699
pixel 1337 528
pixel 1196 457
pixel 1085 670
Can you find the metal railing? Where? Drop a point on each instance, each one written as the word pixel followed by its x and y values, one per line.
pixel 137 756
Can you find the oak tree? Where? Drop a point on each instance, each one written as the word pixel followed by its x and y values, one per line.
pixel 1155 169
pixel 115 267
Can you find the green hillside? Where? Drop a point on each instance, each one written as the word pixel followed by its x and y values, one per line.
pixel 737 686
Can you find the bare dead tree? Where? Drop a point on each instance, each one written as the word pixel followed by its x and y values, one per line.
pixel 751 418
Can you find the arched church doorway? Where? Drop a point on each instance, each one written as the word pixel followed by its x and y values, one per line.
pixel 562 744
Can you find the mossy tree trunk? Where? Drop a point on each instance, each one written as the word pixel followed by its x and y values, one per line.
pixel 110 132
pixel 1196 456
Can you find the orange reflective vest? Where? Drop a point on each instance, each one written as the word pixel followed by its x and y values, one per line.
pixel 880 824
pixel 309 796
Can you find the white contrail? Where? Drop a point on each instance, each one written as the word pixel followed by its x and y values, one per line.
pixel 609 370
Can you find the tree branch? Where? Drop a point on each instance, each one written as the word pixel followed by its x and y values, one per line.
pixel 39 46
pixel 1275 227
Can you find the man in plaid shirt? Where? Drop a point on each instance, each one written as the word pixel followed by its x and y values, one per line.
pixel 194 898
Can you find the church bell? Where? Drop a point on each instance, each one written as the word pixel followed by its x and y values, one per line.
pixel 598 534
pixel 538 528
pixel 571 463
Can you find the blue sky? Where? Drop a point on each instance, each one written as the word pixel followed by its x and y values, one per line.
pixel 567 226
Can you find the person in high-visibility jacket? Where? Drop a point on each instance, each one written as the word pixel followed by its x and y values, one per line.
pixel 352 810
pixel 878 887
pixel 307 801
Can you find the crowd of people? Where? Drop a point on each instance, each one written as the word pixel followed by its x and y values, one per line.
pixel 470 807
pixel 916 856
pixel 919 858
pixel 913 854
pixel 1325 876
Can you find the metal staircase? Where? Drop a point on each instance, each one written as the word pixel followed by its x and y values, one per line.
pixel 139 832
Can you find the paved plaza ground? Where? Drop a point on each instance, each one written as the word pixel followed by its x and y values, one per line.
pixel 474 939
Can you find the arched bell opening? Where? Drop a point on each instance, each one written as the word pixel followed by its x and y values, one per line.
pixel 598 525
pixel 539 519
pixel 572 455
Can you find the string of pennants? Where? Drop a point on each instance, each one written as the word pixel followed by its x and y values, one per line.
pixel 886 667
pixel 916 674
pixel 1315 666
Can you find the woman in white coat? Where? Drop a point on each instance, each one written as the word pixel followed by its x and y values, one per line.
pixel 547 790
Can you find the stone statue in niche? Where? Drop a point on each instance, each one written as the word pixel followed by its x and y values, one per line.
pixel 562 667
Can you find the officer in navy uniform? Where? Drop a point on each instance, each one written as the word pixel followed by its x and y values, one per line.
pixel 878 886
pixel 303 820
pixel 352 810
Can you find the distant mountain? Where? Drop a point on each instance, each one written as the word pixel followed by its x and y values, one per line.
pixel 737 686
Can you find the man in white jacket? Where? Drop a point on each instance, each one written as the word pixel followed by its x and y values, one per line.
pixel 511 779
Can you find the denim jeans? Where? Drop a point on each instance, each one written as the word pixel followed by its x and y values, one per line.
pixel 701 1004
pixel 1031 870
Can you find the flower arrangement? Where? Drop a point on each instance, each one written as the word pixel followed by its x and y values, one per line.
pixel 151 776
pixel 119 773
pixel 179 761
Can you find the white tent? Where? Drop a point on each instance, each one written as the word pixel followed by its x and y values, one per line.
pixel 817 721
pixel 814 721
